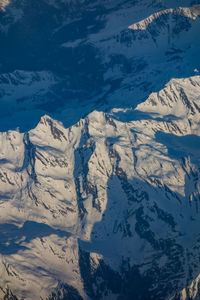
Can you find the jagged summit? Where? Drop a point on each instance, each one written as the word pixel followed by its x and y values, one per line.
pixel 189 12
pixel 179 98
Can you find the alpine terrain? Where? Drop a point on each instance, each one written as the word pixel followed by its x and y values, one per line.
pixel 99 150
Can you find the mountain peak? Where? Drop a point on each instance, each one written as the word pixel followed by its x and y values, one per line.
pixel 189 12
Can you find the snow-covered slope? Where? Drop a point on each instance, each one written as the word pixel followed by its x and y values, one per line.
pixel 3 4
pixel 88 209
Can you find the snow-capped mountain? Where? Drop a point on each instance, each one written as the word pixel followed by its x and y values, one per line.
pixel 105 209
pixel 99 150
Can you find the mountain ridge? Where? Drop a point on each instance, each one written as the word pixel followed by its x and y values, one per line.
pixel 100 198
pixel 90 67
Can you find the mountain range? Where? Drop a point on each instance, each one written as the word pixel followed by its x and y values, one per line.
pixel 99 155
